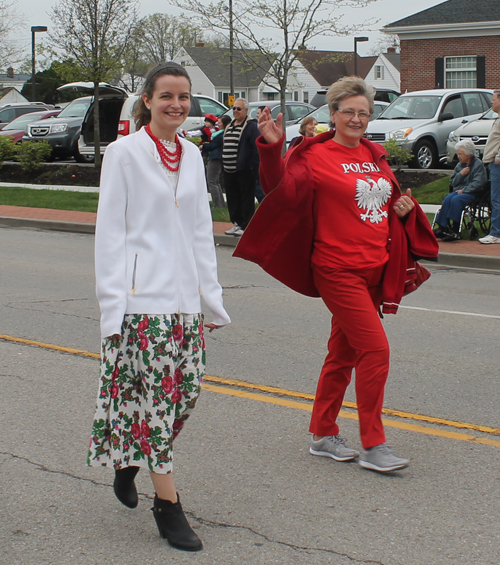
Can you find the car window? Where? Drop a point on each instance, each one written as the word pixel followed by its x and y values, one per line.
pixel 252 112
pixel 194 111
pixel 210 107
pixel 377 110
pixel 473 103
pixel 75 110
pixel 412 108
pixel 321 115
pixel 28 110
pixel 454 106
pixel 7 115
pixel 488 97
pixel 296 111
pixel 22 121
pixel 490 115
pixel 275 111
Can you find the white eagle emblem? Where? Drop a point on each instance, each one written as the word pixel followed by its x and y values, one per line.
pixel 372 196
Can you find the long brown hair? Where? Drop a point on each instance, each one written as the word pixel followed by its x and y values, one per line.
pixel 141 114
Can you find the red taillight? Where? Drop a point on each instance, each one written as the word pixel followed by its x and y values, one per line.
pixel 124 127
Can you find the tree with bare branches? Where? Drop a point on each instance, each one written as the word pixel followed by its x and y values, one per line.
pixel 94 34
pixel 276 29
pixel 11 52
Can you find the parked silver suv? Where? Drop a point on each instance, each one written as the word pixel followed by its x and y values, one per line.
pixel 421 121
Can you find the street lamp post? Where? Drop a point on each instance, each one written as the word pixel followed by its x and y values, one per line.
pixel 356 41
pixel 34 29
pixel 231 50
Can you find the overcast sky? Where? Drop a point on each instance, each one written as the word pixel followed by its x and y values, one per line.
pixel 386 11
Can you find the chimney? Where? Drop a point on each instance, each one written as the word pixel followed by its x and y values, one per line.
pixel 391 50
pixel 10 72
pixel 200 44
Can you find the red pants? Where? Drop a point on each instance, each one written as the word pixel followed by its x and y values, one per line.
pixel 357 341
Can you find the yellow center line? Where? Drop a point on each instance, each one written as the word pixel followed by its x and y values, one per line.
pixel 304 396
pixel 350 416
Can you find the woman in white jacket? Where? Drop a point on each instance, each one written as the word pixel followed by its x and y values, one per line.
pixel 154 257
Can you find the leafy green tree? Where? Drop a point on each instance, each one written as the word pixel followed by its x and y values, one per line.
pixel 47 83
pixel 94 34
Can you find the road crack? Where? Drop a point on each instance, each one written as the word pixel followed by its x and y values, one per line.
pixel 204 521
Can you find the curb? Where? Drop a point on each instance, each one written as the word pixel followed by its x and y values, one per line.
pixel 485 262
pixel 51 225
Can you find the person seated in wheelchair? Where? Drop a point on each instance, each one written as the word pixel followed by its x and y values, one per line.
pixel 466 185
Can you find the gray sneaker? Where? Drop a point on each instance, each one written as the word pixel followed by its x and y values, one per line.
pixel 334 447
pixel 233 230
pixel 382 459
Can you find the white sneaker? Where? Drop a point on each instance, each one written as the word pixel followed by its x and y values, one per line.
pixel 233 230
pixel 489 239
pixel 238 232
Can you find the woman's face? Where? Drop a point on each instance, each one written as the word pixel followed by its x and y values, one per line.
pixel 169 105
pixel 351 120
pixel 463 157
pixel 311 128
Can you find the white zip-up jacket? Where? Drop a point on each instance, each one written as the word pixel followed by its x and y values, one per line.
pixel 154 246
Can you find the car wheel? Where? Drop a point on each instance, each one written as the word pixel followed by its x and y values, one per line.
pixel 424 155
pixel 79 158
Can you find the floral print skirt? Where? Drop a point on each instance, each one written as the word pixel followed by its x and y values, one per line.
pixel 150 382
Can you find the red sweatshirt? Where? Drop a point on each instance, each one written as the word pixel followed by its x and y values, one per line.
pixel 281 236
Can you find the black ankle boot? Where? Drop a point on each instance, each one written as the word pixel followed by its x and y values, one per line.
pixel 173 525
pixel 124 486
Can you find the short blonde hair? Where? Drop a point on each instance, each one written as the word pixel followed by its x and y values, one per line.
pixel 305 122
pixel 347 87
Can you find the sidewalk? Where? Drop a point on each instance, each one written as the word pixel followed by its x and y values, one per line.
pixel 459 254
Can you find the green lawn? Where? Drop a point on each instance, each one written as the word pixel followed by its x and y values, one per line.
pixel 432 193
pixel 55 199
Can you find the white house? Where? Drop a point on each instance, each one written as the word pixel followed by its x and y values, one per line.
pixel 11 95
pixel 385 72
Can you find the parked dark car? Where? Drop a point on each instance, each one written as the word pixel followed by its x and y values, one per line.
pixel 295 110
pixel 9 112
pixel 63 132
pixel 17 128
pixel 381 95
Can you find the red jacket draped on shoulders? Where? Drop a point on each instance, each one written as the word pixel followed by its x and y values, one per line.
pixel 280 237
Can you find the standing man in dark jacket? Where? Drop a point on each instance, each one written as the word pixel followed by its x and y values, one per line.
pixel 240 161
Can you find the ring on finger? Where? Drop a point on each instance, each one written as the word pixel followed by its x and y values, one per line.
pixel 401 207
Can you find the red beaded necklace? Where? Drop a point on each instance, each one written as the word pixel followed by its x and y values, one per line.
pixel 171 159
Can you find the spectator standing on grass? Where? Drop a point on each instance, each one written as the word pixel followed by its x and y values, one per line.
pixel 214 151
pixel 154 258
pixel 491 157
pixel 240 161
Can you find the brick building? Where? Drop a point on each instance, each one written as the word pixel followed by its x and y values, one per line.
pixel 455 44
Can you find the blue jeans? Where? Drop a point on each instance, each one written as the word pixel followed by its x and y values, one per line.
pixel 495 199
pixel 452 207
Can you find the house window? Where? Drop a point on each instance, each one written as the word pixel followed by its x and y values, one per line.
pixel 379 72
pixel 460 72
pixel 296 96
pixel 306 97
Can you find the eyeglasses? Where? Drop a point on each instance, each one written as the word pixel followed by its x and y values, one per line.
pixel 237 108
pixel 349 114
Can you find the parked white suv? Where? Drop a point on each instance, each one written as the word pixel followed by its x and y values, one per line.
pixel 421 121
pixel 477 131
pixel 200 105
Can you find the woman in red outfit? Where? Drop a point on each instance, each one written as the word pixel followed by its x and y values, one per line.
pixel 354 204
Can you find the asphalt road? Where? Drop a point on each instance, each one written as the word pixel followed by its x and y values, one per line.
pixel 242 466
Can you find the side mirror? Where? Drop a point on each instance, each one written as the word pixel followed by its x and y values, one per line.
pixel 446 116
